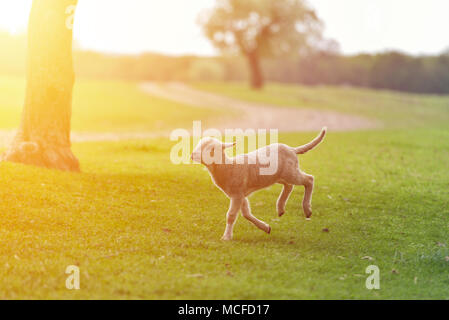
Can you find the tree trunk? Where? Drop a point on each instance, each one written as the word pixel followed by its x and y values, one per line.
pixel 257 80
pixel 43 138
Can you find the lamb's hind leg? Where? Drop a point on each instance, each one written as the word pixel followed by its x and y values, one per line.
pixel 282 200
pixel 246 211
pixel 306 180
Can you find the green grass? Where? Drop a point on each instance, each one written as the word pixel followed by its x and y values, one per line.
pixel 106 106
pixel 140 227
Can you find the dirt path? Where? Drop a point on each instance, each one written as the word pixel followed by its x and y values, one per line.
pixel 242 115
pixel 259 116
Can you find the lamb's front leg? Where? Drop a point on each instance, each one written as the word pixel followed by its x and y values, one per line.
pixel 231 216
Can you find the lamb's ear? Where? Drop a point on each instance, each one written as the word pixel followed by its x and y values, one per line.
pixel 228 145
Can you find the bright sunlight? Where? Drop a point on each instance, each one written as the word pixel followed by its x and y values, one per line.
pixel 14 15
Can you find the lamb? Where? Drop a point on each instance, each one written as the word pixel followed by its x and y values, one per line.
pixel 240 176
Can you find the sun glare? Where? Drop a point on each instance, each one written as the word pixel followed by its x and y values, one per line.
pixel 14 15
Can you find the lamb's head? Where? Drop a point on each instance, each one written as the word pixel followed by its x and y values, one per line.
pixel 210 151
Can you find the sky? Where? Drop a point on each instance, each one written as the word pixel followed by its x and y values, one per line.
pixel 170 26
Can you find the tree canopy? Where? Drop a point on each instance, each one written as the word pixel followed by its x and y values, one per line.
pixel 272 27
pixel 264 28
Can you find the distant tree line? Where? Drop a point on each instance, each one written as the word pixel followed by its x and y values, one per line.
pixel 389 70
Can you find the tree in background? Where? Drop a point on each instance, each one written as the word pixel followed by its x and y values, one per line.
pixel 261 28
pixel 43 138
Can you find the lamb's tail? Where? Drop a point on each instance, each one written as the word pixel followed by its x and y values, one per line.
pixel 312 144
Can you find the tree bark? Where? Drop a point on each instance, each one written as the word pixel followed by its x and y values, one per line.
pixel 257 80
pixel 43 138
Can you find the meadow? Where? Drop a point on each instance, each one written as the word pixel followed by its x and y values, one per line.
pixel 394 109
pixel 140 227
pixel 105 106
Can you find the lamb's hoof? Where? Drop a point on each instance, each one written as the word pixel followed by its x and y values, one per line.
pixel 308 213
pixel 224 238
pixel 269 230
pixel 281 213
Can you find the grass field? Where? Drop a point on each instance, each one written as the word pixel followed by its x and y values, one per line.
pixel 106 106
pixel 140 227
